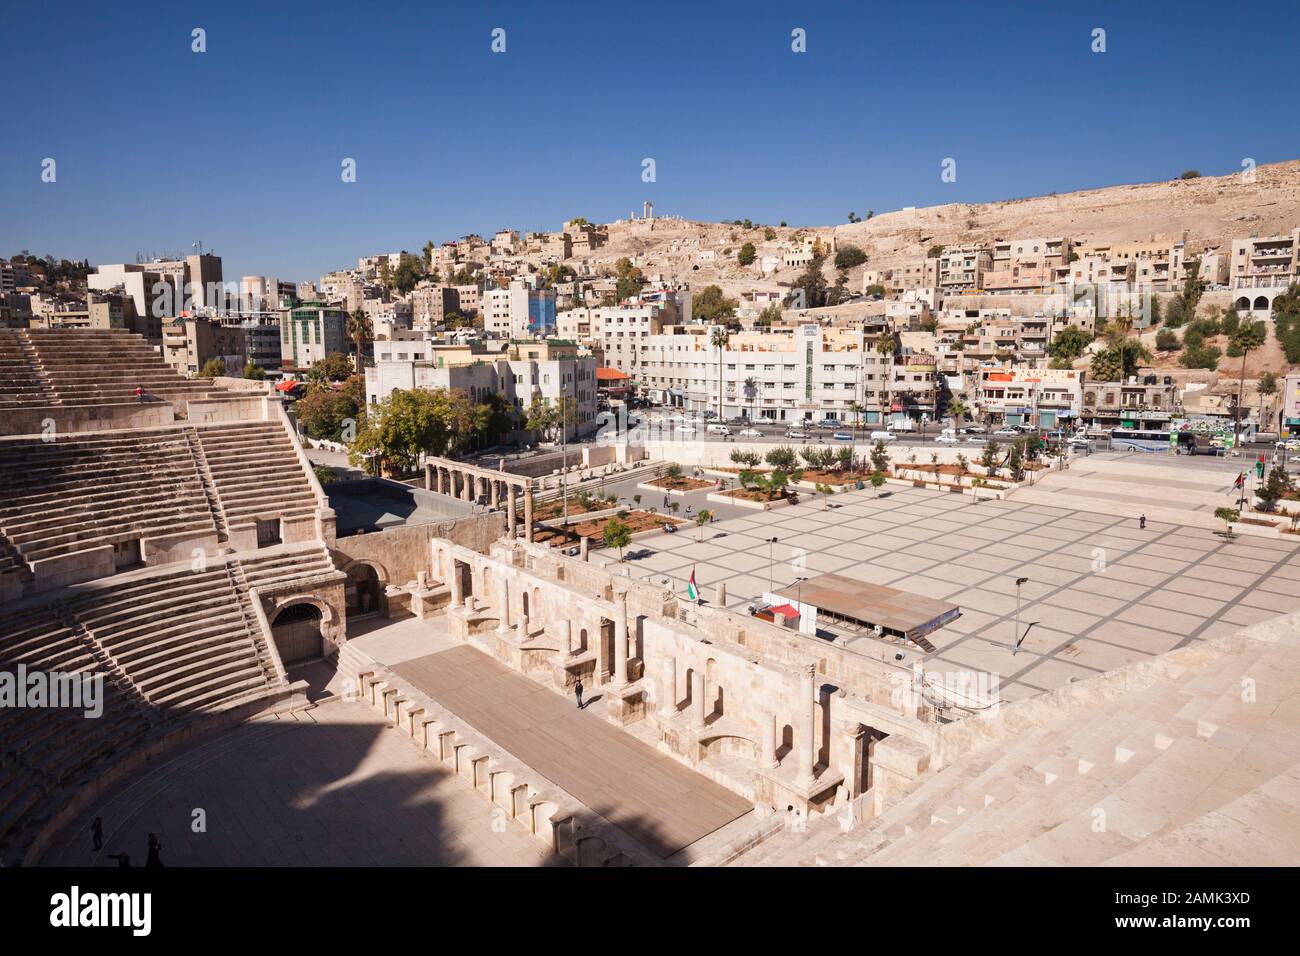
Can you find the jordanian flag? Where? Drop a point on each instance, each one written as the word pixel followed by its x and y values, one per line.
pixel 691 590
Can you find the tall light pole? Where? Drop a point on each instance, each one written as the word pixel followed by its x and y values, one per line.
pixel 1016 646
pixel 770 542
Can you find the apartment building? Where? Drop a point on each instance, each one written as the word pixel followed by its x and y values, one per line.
pixel 1025 265
pixel 962 269
pixel 623 332
pixel 898 280
pixel 1035 397
pixel 1138 402
pixel 520 373
pixel 189 343
pixel 787 374
pixel 1261 269
pixel 309 331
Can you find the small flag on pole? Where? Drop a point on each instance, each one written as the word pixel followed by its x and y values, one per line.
pixel 1241 480
pixel 691 590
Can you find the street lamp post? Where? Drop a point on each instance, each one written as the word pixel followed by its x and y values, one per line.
pixel 770 542
pixel 1016 645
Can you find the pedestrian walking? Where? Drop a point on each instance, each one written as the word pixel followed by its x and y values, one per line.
pixel 577 691
pixel 97 833
pixel 1142 523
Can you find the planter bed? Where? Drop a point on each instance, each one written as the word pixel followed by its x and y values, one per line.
pixel 729 498
pixel 683 486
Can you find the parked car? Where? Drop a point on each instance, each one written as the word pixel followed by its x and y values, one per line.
pixel 686 428
pixel 884 436
pixel 1010 431
pixel 717 428
pixel 947 438
pixel 750 433
pixel 796 433
pixel 843 436
pixel 829 423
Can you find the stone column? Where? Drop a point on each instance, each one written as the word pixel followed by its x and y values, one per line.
pixel 457 590
pixel 566 636
pixel 722 594
pixel 808 724
pixel 428 477
pixel 767 755
pixel 467 484
pixel 620 639
pixel 496 487
pixel 668 688
pixel 697 697
pixel 523 628
pixel 510 511
pixel 582 547
pixel 528 512
pixel 442 480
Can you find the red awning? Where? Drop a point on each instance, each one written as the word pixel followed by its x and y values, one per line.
pixel 611 375
pixel 287 386
pixel 786 609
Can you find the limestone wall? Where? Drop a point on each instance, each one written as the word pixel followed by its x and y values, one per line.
pixel 399 554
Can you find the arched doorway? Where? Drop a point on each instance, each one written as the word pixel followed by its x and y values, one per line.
pixel 364 592
pixel 1261 303
pixel 297 634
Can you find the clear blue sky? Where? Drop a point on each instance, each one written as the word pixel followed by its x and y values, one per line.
pixel 241 146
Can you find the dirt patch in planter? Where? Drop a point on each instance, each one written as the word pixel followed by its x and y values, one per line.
pixel 682 484
pixel 594 528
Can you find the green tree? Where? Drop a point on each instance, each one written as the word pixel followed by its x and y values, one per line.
pixel 747 254
pixel 989 457
pixel 1229 516
pixel 849 256
pixel 334 367
pixel 782 457
pixel 1167 340
pixel 254 372
pixel 617 535
pixel 877 479
pixel 1016 460
pixel 880 457
pixel 711 307
pixel 813 283
pixel 957 411
pixel 213 368
pixel 718 339
pixel 406 276
pixel 1068 344
pixel 1267 388
pixel 1276 486
pixel 324 413
pixel 702 517
pixel 1190 174
pixel 1286 323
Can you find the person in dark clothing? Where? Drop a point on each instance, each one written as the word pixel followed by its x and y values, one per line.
pixel 123 860
pixel 97 833
pixel 577 690
pixel 1142 522
pixel 155 851
pixel 139 393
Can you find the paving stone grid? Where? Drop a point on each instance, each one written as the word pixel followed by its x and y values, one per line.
pixel 1101 592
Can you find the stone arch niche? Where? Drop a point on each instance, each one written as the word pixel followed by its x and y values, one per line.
pixel 297 632
pixel 364 588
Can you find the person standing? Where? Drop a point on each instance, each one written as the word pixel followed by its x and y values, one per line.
pixel 97 833
pixel 577 691
pixel 1142 523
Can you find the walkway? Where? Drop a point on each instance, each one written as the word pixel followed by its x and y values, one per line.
pixel 660 803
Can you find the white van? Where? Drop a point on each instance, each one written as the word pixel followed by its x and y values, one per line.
pixel 903 425
pixel 883 436
pixel 717 428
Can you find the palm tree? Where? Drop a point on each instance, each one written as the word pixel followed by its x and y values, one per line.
pixel 957 412
pixel 719 341
pixel 885 347
pixel 1267 388
pixel 1249 335
pixel 360 332
pixel 751 395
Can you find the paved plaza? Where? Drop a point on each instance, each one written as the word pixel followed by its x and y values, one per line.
pixel 333 786
pixel 1101 592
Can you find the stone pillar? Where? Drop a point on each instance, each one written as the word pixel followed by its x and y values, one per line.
pixel 467 485
pixel 496 487
pixel 807 724
pixel 457 590
pixel 442 480
pixel 523 628
pixel 697 697
pixel 528 512
pixel 767 755
pixel 620 639
pixel 428 477
pixel 566 636
pixel 668 688
pixel 583 547
pixel 722 594
pixel 510 511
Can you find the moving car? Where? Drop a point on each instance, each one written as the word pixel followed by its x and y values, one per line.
pixel 750 433
pixel 796 433
pixel 884 436
pixel 1010 431
pixel 717 428
pixel 686 427
pixel 843 436
pixel 947 438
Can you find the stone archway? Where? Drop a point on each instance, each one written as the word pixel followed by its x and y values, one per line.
pixel 364 589
pixel 296 630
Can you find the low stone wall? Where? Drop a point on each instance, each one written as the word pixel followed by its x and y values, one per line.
pixel 88 418
pixel 399 554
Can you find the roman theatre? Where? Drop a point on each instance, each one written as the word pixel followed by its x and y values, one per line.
pixel 385 672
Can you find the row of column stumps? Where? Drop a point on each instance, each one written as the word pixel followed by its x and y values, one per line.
pixel 470 484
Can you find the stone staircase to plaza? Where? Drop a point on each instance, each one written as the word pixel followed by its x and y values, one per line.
pixel 1167 761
